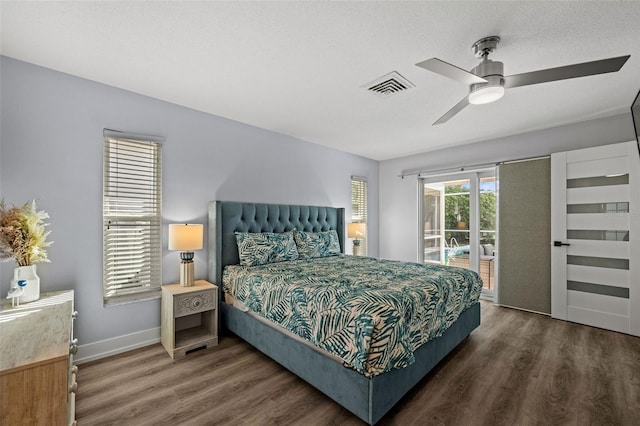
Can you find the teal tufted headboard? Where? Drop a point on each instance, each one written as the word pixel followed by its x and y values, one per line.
pixel 227 217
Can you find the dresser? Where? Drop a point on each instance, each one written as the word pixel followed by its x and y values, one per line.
pixel 189 317
pixel 37 374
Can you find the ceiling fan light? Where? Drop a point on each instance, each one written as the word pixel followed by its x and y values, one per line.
pixel 486 94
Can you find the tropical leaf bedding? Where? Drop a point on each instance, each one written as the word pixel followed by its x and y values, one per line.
pixel 373 314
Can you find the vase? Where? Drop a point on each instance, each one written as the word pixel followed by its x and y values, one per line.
pixel 26 277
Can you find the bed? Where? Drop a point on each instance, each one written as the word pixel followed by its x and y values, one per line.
pixel 368 391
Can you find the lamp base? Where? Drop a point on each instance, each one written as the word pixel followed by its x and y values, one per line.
pixel 186 273
pixel 356 247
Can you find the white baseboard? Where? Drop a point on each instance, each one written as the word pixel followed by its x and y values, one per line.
pixel 116 345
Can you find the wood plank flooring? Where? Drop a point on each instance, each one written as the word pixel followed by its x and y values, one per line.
pixel 517 368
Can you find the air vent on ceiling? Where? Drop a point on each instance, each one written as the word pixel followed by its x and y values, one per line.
pixel 389 85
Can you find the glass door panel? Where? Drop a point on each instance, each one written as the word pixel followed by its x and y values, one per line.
pixel 433 227
pixel 459 224
pixel 487 249
pixel 457 219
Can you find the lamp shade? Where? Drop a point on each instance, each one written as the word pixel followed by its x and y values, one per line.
pixel 185 237
pixel 356 230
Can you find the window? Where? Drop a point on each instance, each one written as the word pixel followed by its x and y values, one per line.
pixel 132 217
pixel 359 207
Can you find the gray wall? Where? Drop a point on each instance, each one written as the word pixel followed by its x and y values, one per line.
pixel 51 149
pixel 399 197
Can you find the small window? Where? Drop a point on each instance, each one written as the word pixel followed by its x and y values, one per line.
pixel 359 207
pixel 132 217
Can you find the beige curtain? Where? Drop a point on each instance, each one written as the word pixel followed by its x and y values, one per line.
pixel 524 235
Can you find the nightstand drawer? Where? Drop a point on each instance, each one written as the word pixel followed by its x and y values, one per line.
pixel 193 303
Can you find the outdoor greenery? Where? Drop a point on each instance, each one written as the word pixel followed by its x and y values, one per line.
pixel 456 211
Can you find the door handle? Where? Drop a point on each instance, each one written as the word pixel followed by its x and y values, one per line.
pixel 560 244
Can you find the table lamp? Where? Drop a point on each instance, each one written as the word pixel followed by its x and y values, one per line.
pixel 356 231
pixel 186 238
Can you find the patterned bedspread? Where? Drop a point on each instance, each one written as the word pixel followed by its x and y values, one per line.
pixel 371 313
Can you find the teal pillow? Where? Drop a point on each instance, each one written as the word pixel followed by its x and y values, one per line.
pixel 266 247
pixel 316 244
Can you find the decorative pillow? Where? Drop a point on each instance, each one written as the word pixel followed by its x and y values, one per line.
pixel 266 247
pixel 317 244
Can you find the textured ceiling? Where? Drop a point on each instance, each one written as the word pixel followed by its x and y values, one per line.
pixel 298 67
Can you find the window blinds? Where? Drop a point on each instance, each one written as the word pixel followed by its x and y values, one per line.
pixel 359 206
pixel 132 217
pixel 524 233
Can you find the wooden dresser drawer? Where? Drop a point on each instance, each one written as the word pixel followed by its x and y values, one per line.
pixel 193 303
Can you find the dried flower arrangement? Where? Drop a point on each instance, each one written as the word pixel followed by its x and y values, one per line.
pixel 22 234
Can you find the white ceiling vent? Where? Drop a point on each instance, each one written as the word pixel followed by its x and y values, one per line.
pixel 388 85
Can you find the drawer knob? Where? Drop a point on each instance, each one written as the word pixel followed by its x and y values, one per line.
pixel 73 388
pixel 73 347
pixel 74 315
pixel 74 369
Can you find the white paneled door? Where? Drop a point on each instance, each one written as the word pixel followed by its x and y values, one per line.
pixel 595 234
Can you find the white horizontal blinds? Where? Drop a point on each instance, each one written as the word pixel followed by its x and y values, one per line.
pixel 359 207
pixel 132 217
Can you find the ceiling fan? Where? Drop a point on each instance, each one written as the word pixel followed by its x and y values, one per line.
pixel 487 81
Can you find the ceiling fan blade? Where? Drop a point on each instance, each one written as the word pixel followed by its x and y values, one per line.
pixel 602 66
pixel 453 111
pixel 446 69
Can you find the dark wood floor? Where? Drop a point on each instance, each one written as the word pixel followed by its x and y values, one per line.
pixel 517 368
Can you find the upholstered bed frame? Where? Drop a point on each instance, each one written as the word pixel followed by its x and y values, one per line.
pixel 367 398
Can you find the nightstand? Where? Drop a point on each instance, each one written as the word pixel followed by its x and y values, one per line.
pixel 189 317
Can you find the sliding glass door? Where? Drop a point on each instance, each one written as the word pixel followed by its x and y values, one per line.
pixel 458 223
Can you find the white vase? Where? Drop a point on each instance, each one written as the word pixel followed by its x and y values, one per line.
pixel 32 280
